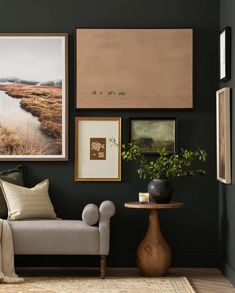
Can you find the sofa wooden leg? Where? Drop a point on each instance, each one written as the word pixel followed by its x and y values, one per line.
pixel 103 266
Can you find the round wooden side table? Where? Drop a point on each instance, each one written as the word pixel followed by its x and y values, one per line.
pixel 153 254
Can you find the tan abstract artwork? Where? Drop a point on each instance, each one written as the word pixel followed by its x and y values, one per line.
pixel 97 148
pixel 134 68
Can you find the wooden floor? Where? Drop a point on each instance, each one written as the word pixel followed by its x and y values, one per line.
pixel 203 280
pixel 208 280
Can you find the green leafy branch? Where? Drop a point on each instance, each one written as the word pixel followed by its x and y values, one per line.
pixel 164 165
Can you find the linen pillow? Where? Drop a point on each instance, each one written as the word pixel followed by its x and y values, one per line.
pixel 90 214
pixel 15 176
pixel 28 203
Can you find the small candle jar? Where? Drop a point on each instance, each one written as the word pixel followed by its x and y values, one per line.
pixel 143 197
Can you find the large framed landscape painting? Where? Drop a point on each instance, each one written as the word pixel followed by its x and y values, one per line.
pixel 134 68
pixel 154 135
pixel 96 159
pixel 33 96
pixel 223 135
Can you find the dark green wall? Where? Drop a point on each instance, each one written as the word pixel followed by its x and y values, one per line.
pixel 191 231
pixel 227 192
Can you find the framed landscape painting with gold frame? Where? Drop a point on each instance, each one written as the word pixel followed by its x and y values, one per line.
pixel 223 135
pixel 33 96
pixel 96 159
pixel 134 68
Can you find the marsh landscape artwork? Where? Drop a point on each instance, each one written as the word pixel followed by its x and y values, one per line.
pixel 154 135
pixel 33 97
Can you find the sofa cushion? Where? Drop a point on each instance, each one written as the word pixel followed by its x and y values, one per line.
pixel 54 237
pixel 15 176
pixel 28 203
pixel 90 214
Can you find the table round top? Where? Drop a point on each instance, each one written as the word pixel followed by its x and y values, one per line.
pixel 153 205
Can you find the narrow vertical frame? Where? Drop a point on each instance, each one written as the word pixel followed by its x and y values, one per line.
pixel 223 135
pixel 225 54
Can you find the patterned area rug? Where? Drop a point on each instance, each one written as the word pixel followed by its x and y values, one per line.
pixel 96 285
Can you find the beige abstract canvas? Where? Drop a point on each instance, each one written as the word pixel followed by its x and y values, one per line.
pixel 134 68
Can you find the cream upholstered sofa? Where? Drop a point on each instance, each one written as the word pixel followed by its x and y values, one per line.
pixel 90 236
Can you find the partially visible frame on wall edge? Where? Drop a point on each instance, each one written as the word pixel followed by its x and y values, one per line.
pixel 223 135
pixel 34 96
pixel 96 159
pixel 225 54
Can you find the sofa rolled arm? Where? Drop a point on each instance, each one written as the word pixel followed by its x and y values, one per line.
pixel 90 214
pixel 107 210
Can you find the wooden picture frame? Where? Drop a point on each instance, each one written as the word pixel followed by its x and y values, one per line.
pixel 162 130
pixel 223 135
pixel 225 54
pixel 96 159
pixel 34 96
pixel 134 68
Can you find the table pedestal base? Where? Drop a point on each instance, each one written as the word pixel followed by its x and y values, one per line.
pixel 153 253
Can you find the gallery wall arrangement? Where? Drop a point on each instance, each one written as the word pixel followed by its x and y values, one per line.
pixel 102 67
pixel 129 68
pixel 41 90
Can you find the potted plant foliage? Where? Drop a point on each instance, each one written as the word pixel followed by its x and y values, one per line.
pixel 163 168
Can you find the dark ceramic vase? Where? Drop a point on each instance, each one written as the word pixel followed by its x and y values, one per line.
pixel 160 190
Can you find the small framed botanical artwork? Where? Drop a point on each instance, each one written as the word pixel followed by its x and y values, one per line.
pixel 33 96
pixel 96 159
pixel 225 54
pixel 119 68
pixel 223 135
pixel 154 134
